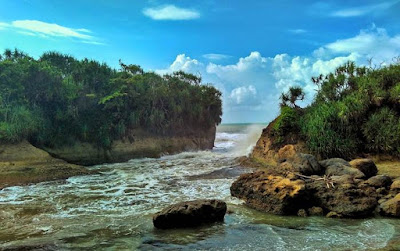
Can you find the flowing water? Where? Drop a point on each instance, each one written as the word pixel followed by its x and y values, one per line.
pixel 112 210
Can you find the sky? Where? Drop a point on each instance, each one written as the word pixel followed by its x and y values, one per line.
pixel 252 51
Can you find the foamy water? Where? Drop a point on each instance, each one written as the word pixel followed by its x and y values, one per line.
pixel 112 210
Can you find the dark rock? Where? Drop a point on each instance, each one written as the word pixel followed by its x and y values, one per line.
pixel 391 207
pixel 338 167
pixel 346 199
pixel 367 166
pixel 302 213
pixel 379 181
pixel 190 214
pixel 333 161
pixel 302 163
pixel 316 211
pixel 271 193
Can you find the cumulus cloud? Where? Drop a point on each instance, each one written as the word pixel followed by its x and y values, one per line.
pixel 244 93
pixel 171 12
pixel 254 83
pixel 363 10
pixel 183 63
pixel 43 29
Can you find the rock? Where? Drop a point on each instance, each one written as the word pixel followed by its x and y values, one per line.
pixel 270 193
pixel 333 214
pixel 301 163
pixel 302 213
pixel 344 170
pixel 190 214
pixel 395 187
pixel 338 167
pixel 333 161
pixel 379 181
pixel 316 211
pixel 346 198
pixel 367 166
pixel 391 207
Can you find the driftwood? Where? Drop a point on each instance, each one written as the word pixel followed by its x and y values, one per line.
pixel 327 179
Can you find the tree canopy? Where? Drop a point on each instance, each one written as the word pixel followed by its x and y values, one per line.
pixel 57 100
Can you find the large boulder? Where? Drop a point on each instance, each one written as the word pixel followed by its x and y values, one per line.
pixel 301 163
pixel 367 166
pixel 190 214
pixel 346 197
pixel 338 167
pixel 391 207
pixel 271 193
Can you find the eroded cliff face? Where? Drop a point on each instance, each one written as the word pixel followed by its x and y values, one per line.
pixel 140 145
pixel 268 151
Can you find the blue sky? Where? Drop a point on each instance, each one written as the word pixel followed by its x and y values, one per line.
pixel 250 50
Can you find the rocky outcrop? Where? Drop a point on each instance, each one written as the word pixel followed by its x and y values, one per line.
pixel 269 193
pixel 338 190
pixel 22 164
pixel 190 214
pixel 270 152
pixel 140 145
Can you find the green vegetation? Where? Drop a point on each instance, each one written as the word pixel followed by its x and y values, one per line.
pixel 356 110
pixel 58 100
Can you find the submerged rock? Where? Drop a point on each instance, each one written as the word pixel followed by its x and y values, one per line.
pixel 367 166
pixel 190 214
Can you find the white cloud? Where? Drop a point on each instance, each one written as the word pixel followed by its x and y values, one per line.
pixel 171 12
pixel 371 43
pixel 50 29
pixel 3 25
pixel 215 56
pixel 254 83
pixel 363 10
pixel 183 63
pixel 297 31
pixel 46 30
pixel 244 93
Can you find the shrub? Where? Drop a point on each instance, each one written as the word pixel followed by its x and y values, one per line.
pixel 382 131
pixel 325 133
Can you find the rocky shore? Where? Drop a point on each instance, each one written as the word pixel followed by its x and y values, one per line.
pixel 23 164
pixel 296 183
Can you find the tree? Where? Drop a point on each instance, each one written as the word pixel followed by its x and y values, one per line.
pixel 290 98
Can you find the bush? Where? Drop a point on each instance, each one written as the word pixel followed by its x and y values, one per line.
pixel 325 133
pixel 286 123
pixel 20 124
pixel 382 131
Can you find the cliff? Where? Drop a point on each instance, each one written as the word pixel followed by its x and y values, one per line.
pixel 140 145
